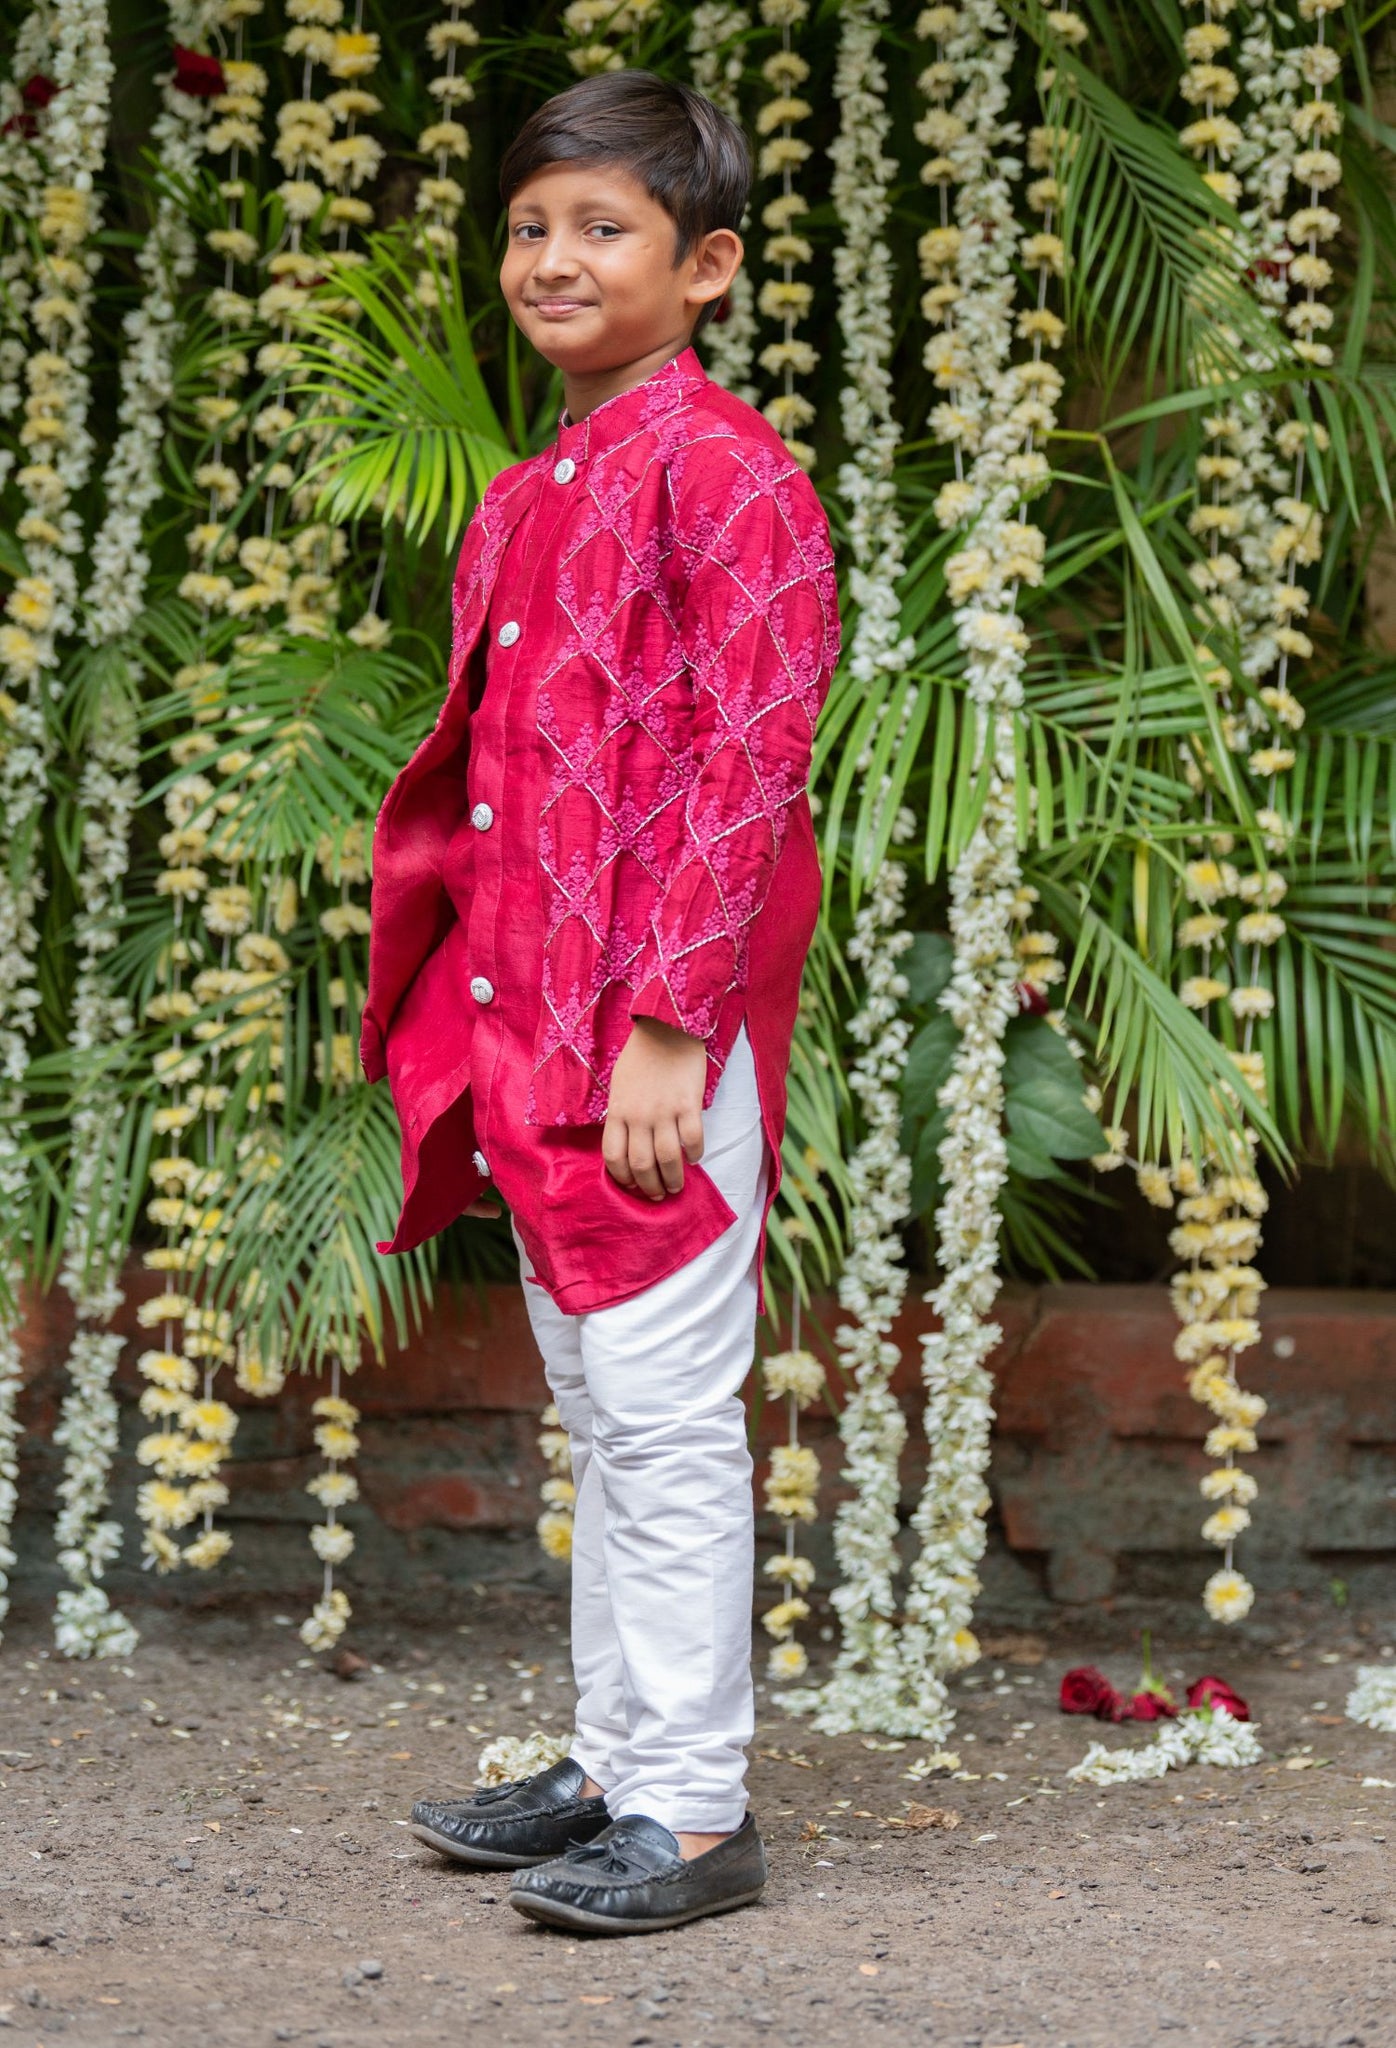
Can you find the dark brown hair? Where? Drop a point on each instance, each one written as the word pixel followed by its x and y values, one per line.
pixel 688 155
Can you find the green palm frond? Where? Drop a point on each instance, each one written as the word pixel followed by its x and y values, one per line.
pixel 414 426
pixel 302 1263
pixel 1177 1078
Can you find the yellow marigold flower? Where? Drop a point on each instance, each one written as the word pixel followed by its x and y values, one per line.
pixel 1039 324
pixel 1199 990
pixel 782 153
pixel 333 1489
pixel 1154 1185
pixel 796 1572
pixel 198 1460
pixel 787 1661
pixel 1044 252
pixel 1228 1597
pixel 334 1408
pixel 1201 930
pixel 1230 1440
pixel 336 1441
pixel 1214 131
pixel 555 1533
pixel 345 920
pixel 163 1506
pixel 1225 1525
pixel 215 1421
pixel 781 1619
pixel 164 1451
pixel 797 1373
pixel 332 1542
pixel 1228 1482
pixel 1252 1002
pixel 208 1550
pixel 1202 43
pixel 1207 881
pixel 1214 82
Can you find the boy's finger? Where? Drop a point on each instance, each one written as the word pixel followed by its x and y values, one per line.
pixel 642 1163
pixel 690 1129
pixel 615 1151
pixel 668 1153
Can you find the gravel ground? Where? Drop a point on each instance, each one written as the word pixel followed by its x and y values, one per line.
pixel 206 1844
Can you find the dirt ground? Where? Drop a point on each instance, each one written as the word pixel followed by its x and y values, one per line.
pixel 206 1844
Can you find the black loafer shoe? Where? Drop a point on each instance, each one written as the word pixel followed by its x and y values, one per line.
pixel 506 1827
pixel 632 1880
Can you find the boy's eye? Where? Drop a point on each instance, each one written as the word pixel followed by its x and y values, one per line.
pixel 604 227
pixel 528 228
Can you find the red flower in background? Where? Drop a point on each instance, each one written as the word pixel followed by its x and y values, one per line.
pixel 1151 1706
pixel 200 76
pixel 1088 1691
pixel 1215 1692
pixel 1032 1002
pixel 36 92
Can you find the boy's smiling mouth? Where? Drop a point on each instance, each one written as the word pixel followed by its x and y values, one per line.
pixel 558 308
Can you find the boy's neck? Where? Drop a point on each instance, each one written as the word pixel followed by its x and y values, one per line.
pixel 582 395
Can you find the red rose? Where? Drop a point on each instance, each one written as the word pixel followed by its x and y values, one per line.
pixel 1151 1706
pixel 1088 1691
pixel 200 76
pixel 36 91
pixel 1032 1002
pixel 1215 1692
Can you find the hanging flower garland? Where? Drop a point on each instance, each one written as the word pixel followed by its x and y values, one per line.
pixel 786 298
pixel 41 604
pixel 85 1623
pixel 590 24
pixel 22 726
pixel 717 37
pixel 1258 532
pixel 333 1488
pixel 797 1378
pixel 441 196
pixel 873 1284
pixel 558 1493
pixel 994 416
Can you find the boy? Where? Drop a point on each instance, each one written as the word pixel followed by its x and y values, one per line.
pixel 594 887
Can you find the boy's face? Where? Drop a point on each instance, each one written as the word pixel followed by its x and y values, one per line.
pixel 589 272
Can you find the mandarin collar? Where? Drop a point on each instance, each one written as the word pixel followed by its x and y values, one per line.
pixel 617 418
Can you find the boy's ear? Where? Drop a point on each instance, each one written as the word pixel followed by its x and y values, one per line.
pixel 716 262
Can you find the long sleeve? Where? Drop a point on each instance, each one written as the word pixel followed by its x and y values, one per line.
pixel 759 631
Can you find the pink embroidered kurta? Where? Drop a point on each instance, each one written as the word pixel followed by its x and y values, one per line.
pixel 609 820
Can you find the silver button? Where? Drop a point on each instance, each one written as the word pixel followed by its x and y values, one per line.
pixel 482 990
pixel 482 817
pixel 480 1163
pixel 564 471
pixel 509 632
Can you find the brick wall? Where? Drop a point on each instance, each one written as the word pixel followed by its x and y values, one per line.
pixel 1097 1454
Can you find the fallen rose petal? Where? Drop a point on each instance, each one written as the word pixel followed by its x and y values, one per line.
pixel 1084 1690
pixel 1151 1706
pixel 1215 1692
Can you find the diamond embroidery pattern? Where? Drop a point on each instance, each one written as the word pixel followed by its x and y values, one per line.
pixel 681 658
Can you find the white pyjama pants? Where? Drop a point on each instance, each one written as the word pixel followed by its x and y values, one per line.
pixel 663 1542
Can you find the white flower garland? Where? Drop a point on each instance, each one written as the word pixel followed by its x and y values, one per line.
pixel 717 37
pixel 1199 1735
pixel 1372 1700
pixel 590 23
pixel 85 1624
pixel 41 604
pixel 861 1690
pixel 995 412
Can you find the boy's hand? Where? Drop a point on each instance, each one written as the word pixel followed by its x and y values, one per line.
pixel 654 1114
